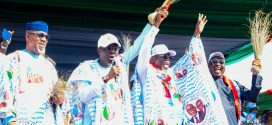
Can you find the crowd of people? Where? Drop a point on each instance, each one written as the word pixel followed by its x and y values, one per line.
pixel 98 90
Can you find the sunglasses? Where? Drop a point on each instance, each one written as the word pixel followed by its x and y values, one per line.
pixel 165 56
pixel 41 35
pixel 216 60
pixel 109 48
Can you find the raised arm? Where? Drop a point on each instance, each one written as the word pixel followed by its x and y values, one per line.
pixel 252 94
pixel 196 43
pixel 145 51
pixel 201 22
pixel 6 35
pixel 133 51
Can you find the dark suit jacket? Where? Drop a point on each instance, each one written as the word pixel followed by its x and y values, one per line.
pixel 200 115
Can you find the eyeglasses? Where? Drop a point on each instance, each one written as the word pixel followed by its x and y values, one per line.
pixel 109 48
pixel 165 56
pixel 216 60
pixel 41 35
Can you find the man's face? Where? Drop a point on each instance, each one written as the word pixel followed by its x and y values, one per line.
pixel 36 42
pixel 107 55
pixel 199 105
pixel 191 110
pixel 217 67
pixel 163 61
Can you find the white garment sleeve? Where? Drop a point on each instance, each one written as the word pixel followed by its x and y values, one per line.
pixel 133 51
pixel 192 46
pixel 145 53
pixel 87 82
pixel 88 91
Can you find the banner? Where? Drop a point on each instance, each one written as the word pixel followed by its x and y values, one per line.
pixel 201 101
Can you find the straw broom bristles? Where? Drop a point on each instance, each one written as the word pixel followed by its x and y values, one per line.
pixel 127 43
pixel 259 27
pixel 59 88
pixel 166 2
pixel 126 40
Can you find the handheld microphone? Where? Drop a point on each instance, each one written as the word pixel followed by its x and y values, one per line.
pixel 115 64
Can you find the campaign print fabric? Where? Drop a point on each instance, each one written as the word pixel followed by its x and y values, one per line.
pixel 200 99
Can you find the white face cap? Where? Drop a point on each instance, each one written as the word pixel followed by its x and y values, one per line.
pixel 162 49
pixel 106 40
pixel 216 54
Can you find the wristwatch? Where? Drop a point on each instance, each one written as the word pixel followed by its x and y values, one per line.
pixel 3 46
pixel 105 79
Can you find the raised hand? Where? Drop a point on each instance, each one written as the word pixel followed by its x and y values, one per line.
pixel 6 35
pixel 114 72
pixel 201 22
pixel 159 16
pixel 256 66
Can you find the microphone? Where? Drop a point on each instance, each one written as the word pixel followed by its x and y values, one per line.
pixel 115 63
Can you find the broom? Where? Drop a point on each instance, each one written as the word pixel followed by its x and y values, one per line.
pixel 59 90
pixel 166 4
pixel 259 27
pixel 127 43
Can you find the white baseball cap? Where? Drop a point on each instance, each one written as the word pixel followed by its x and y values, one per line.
pixel 106 40
pixel 162 49
pixel 216 54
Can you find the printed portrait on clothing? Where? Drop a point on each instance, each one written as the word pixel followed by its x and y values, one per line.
pixel 196 59
pixel 196 110
pixel 180 72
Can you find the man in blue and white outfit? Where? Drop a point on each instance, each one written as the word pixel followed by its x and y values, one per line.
pixel 32 78
pixel 156 91
pixel 100 87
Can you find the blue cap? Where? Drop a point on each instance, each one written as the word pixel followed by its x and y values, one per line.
pixel 38 26
pixel 251 105
pixel 6 35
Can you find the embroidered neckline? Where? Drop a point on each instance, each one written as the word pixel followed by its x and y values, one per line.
pixel 31 54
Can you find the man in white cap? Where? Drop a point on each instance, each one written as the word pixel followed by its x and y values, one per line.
pixel 102 84
pixel 32 78
pixel 161 101
pixel 232 92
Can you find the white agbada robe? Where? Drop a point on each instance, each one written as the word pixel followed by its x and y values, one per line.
pixel 151 101
pixel 195 83
pixel 33 76
pixel 100 103
pixel 6 114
